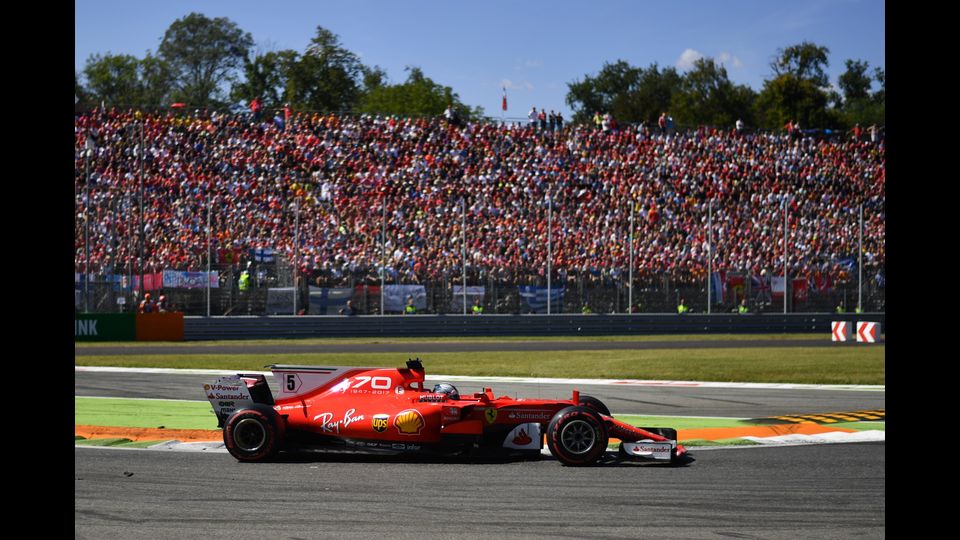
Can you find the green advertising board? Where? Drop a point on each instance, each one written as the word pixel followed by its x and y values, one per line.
pixel 105 327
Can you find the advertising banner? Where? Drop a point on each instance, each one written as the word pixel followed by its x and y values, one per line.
pixel 104 327
pixel 533 299
pixel 395 297
pixel 473 294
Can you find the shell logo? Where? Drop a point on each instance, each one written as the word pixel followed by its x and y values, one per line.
pixel 409 422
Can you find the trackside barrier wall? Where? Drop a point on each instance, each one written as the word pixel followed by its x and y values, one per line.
pixel 203 328
pixel 104 327
pixel 128 327
pixel 160 327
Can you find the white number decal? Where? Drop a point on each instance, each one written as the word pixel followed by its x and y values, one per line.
pixel 377 383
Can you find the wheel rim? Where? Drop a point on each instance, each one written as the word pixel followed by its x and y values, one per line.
pixel 249 434
pixel 578 437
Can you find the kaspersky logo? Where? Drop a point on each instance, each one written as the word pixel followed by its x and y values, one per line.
pixel 490 415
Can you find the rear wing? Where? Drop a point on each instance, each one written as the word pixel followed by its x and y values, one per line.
pixel 233 392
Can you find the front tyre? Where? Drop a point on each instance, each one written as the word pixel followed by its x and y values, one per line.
pixel 252 434
pixel 595 404
pixel 577 436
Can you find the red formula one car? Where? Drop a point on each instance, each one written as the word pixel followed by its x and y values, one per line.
pixel 390 410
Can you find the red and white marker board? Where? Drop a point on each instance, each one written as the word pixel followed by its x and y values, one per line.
pixel 867 332
pixel 840 330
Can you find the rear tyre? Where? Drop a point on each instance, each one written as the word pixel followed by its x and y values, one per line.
pixel 577 436
pixel 253 434
pixel 595 404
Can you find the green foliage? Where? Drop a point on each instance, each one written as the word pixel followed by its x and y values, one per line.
pixel 156 79
pixel 326 78
pixel 798 91
pixel 707 97
pixel 859 105
pixel 629 93
pixel 418 96
pixel 113 79
pixel 83 96
pixel 265 76
pixel 806 62
pixel 854 82
pixel 125 81
pixel 786 98
pixel 203 55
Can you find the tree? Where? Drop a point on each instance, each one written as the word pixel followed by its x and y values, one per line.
pixel 81 94
pixel 125 81
pixel 798 90
pixel 266 76
pixel 156 81
pixel 613 83
pixel 859 105
pixel 854 82
pixel 707 97
pixel 113 79
pixel 630 94
pixel 417 96
pixel 805 62
pixel 327 77
pixel 203 54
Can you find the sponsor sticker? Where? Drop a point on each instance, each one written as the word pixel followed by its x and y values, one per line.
pixel 538 415
pixel 399 390
pixel 409 422
pixel 380 422
pixel 329 425
pixel 524 437
pixel 450 414
pixel 227 394
pixel 648 449
pixel 490 414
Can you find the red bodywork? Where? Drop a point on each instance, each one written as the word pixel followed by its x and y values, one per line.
pixel 391 408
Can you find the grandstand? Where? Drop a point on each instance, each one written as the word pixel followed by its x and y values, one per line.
pixel 347 202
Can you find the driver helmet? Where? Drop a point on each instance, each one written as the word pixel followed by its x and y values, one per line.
pixel 448 389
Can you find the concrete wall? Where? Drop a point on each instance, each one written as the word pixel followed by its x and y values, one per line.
pixel 202 328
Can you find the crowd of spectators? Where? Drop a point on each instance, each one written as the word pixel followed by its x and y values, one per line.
pixel 333 175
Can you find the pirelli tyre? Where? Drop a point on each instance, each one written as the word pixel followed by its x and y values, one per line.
pixel 595 404
pixel 577 436
pixel 253 434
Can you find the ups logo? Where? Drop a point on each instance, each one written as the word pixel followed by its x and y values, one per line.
pixel 380 422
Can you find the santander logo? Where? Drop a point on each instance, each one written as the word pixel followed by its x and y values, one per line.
pixel 522 439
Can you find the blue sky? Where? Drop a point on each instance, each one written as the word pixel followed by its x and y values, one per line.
pixel 535 49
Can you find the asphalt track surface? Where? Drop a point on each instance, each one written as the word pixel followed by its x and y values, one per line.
pixel 428 347
pixel 654 400
pixel 828 491
pixel 824 491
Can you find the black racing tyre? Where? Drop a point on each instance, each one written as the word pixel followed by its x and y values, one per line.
pixel 577 436
pixel 253 434
pixel 595 404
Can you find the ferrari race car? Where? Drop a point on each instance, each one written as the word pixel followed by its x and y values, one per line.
pixel 389 410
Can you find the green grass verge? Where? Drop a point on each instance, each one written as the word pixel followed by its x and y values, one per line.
pixel 813 365
pixel 348 341
pixel 123 443
pixel 120 412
